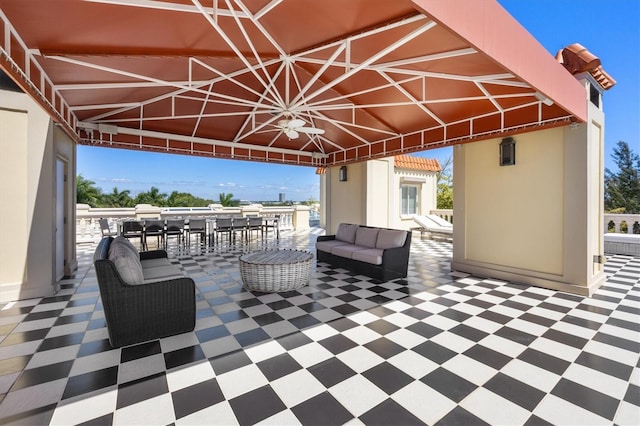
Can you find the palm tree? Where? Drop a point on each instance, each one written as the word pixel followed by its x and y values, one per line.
pixel 226 200
pixel 153 197
pixel 118 198
pixel 87 192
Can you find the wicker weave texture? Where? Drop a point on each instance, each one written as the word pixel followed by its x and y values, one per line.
pixel 276 270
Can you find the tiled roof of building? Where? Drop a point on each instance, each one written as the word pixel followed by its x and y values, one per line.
pixel 321 170
pixel 417 163
pixel 577 59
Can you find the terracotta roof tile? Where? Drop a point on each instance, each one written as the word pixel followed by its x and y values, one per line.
pixel 577 59
pixel 417 163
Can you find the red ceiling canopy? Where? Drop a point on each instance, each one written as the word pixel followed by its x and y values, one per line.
pixel 287 81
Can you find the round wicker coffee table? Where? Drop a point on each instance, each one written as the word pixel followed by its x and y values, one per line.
pixel 275 270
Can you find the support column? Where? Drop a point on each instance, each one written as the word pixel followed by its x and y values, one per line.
pixel 539 221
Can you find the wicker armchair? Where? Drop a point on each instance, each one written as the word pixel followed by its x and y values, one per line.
pixel 142 312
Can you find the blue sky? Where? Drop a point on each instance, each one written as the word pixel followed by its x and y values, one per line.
pixel 610 30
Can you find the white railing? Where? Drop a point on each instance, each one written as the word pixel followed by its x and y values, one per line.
pixel 622 223
pixel 618 223
pixel 88 227
pixel 446 214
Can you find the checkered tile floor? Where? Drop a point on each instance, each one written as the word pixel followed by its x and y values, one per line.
pixel 435 348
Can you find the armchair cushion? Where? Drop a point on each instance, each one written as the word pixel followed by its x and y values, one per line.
pixel 167 272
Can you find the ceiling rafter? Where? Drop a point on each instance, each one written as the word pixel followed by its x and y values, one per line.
pixel 413 99
pixel 233 80
pixel 139 76
pixel 251 116
pixel 233 46
pixel 170 117
pixel 252 47
pixel 202 108
pixel 128 85
pixel 381 53
pixel 165 5
pixel 179 91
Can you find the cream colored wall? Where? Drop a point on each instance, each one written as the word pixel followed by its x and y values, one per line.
pixel 378 194
pixel 538 222
pixel 14 216
pixel 509 205
pixel 28 153
pixel 346 201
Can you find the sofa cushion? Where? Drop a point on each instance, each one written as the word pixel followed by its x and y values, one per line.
pixel 391 238
pixel 161 273
pixel 152 263
pixel 328 245
pixel 346 250
pixel 128 267
pixel 347 233
pixel 366 237
pixel 373 256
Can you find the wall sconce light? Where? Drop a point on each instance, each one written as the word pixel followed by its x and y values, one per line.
pixel 508 152
pixel 343 174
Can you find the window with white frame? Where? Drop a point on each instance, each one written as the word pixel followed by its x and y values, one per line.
pixel 409 199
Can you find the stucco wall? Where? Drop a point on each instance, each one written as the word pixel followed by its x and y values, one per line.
pixel 346 200
pixel 509 205
pixel 540 221
pixel 28 154
pixel 378 194
pixel 14 217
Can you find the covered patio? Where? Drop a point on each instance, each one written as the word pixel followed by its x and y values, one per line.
pixel 323 84
pixel 435 348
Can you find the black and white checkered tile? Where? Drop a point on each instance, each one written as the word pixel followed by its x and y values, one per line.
pixel 435 348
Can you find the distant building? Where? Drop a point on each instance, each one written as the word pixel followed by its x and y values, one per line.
pixel 282 198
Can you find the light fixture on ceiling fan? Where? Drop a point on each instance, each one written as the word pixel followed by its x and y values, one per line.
pixel 293 127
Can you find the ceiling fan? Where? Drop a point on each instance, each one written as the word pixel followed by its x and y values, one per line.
pixel 293 127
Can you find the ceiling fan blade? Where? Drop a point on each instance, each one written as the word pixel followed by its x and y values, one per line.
pixel 311 130
pixel 291 134
pixel 295 123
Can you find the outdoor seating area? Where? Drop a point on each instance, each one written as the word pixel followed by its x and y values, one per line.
pixel 207 231
pixel 184 308
pixel 435 347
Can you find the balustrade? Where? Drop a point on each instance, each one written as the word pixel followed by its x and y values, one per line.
pixel 88 227
pixel 622 223
pixel 446 214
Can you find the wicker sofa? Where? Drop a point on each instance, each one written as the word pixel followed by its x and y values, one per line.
pixel 144 296
pixel 379 253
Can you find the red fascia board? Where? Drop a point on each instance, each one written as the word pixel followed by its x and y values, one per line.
pixel 489 28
